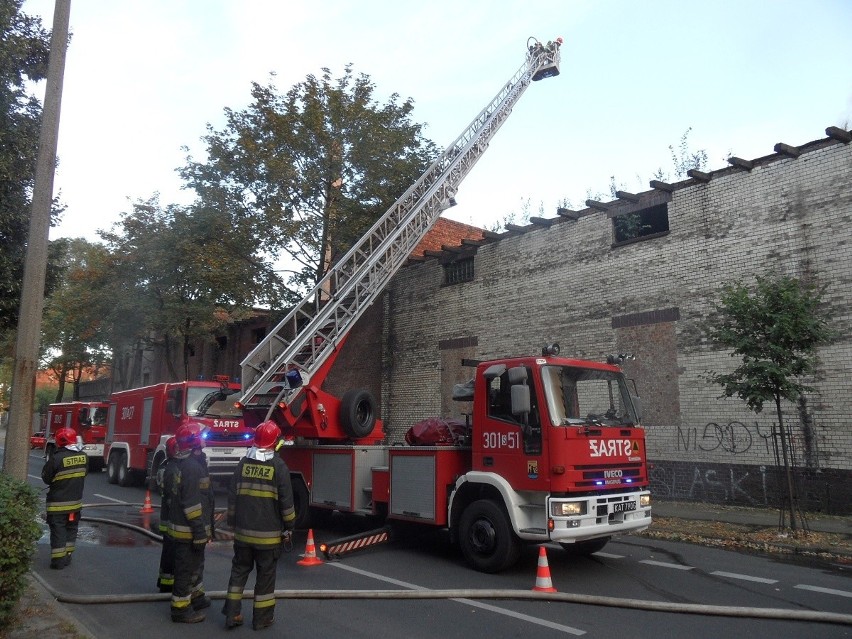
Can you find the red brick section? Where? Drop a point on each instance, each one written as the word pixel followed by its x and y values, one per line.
pixel 447 233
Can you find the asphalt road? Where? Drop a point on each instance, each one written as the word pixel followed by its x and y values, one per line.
pixel 114 562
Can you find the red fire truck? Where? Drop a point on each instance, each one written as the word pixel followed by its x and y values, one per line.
pixel 551 451
pixel 142 419
pixel 88 419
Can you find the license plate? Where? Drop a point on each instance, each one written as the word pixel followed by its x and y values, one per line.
pixel 623 506
pixel 222 451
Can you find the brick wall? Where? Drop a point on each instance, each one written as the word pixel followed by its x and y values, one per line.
pixel 565 281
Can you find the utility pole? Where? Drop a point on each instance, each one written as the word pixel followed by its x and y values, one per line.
pixel 35 264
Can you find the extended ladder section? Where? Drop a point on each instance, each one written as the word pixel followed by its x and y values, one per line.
pixel 311 332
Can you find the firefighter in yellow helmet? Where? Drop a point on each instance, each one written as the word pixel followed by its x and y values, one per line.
pixel 65 473
pixel 261 512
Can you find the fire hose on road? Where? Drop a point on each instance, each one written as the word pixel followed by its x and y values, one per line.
pixel 528 595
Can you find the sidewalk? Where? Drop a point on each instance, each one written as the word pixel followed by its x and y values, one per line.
pixel 759 517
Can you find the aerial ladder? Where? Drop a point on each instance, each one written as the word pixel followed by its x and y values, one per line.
pixel 287 368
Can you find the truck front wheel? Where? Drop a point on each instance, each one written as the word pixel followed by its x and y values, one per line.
pixel 125 477
pixel 487 540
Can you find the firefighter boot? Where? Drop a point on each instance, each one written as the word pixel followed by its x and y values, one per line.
pixel 200 601
pixel 233 622
pixel 187 615
pixel 262 621
pixel 57 564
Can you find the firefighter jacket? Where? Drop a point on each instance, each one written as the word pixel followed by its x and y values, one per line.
pixel 166 481
pixel 65 473
pixel 191 503
pixel 260 500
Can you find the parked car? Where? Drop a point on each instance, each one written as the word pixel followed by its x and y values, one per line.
pixel 38 440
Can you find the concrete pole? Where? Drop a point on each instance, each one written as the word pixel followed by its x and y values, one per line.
pixel 35 265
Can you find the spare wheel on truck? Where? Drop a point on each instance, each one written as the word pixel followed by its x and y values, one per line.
pixel 357 413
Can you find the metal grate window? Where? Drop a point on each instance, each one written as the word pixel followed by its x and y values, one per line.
pixel 459 271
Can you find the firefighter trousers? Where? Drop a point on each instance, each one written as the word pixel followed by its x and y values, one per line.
pixel 63 537
pixel 189 572
pixel 166 578
pixel 245 559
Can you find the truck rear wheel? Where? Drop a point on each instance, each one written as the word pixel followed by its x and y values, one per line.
pixel 301 499
pixel 112 468
pixel 358 413
pixel 487 540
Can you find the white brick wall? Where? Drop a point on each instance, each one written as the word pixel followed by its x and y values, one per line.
pixel 565 283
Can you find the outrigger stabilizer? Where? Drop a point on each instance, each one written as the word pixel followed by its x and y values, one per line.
pixel 335 549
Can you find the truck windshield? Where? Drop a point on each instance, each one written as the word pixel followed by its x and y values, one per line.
pixel 587 396
pixel 210 402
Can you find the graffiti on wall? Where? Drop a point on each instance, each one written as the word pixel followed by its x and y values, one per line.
pixel 700 483
pixel 734 438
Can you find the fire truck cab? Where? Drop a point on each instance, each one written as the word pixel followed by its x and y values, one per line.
pixel 142 419
pixel 88 419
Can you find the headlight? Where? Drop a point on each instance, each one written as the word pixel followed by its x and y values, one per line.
pixel 644 500
pixel 567 508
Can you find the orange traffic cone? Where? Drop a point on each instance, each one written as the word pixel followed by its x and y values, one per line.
pixel 310 557
pixel 542 576
pixel 147 507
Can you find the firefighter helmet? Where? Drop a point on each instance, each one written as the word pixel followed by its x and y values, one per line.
pixel 171 447
pixel 65 437
pixel 189 436
pixel 266 434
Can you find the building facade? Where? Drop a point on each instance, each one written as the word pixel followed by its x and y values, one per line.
pixel 639 275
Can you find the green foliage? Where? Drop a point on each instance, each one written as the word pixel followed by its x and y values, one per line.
pixel 180 274
pixel 19 531
pixel 24 46
pixel 73 324
pixel 306 173
pixel 683 159
pixel 775 329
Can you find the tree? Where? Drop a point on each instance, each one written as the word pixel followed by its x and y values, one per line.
pixel 775 329
pixel 306 173
pixel 181 274
pixel 24 46
pixel 73 337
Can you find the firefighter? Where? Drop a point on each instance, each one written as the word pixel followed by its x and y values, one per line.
pixel 165 482
pixel 190 524
pixel 261 512
pixel 65 474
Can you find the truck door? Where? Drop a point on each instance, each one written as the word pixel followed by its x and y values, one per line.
pixel 509 442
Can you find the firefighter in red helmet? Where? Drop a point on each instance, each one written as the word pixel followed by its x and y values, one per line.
pixel 165 483
pixel 190 524
pixel 65 473
pixel 262 514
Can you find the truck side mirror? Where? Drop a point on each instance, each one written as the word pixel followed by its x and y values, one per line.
pixel 520 399
pixel 637 404
pixel 171 407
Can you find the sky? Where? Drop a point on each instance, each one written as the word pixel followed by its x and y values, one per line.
pixel 145 79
